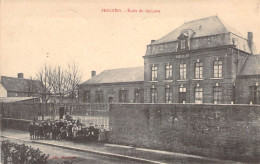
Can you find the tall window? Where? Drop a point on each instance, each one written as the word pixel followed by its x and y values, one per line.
pixel 182 71
pixel 198 95
pixel 182 94
pixel 168 71
pixel 86 97
pixel 217 69
pixel 217 94
pixel 183 44
pixel 99 97
pixel 254 94
pixel 198 70
pixel 168 94
pixel 154 73
pixel 153 95
pixel 138 96
pixel 123 96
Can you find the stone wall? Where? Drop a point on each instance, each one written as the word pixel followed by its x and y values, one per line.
pixel 219 131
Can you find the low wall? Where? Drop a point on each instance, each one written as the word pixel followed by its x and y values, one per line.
pixel 16 124
pixel 219 131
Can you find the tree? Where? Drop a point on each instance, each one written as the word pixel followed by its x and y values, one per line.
pixel 74 76
pixel 44 87
pixel 59 83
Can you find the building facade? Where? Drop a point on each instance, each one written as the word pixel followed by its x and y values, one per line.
pixel 196 63
pixel 202 61
pixel 114 86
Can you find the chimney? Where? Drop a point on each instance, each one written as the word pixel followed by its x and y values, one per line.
pixel 152 41
pixel 93 73
pixel 20 75
pixel 250 40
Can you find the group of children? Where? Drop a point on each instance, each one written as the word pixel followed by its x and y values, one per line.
pixel 66 129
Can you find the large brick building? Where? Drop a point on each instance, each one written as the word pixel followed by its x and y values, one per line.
pixel 202 61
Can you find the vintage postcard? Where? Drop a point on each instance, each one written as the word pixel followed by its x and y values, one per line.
pixel 120 81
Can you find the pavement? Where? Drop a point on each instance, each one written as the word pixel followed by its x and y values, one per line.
pixel 139 155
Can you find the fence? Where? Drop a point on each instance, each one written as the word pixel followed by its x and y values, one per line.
pixel 94 113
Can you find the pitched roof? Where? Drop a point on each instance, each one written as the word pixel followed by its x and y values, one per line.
pixel 201 27
pixel 252 66
pixel 16 84
pixel 15 99
pixel 133 74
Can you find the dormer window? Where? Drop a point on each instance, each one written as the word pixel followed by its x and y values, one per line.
pixel 183 44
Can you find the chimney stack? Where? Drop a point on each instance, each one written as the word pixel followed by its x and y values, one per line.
pixel 93 73
pixel 152 41
pixel 250 40
pixel 20 75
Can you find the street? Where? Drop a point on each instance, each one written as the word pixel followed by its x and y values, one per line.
pixel 60 156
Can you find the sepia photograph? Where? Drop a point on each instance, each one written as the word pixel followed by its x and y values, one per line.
pixel 129 81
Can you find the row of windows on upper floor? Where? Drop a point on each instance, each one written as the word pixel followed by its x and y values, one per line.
pixel 198 71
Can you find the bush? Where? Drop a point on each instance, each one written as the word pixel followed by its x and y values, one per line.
pixel 22 154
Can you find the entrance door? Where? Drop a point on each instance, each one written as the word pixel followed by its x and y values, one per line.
pixel 182 95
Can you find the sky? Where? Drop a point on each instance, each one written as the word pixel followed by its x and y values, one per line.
pixel 57 32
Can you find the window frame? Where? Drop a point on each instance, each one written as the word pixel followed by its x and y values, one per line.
pixel 86 97
pixel 217 72
pixel 154 73
pixel 217 95
pixel 168 72
pixel 123 93
pixel 183 71
pixel 198 74
pixel 183 44
pixel 198 92
pixel 99 97
pixel 168 95
pixel 154 96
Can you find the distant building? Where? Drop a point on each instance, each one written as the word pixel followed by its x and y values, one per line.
pixel 18 87
pixel 116 85
pixel 202 61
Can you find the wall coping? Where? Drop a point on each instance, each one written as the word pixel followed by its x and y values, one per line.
pixel 188 104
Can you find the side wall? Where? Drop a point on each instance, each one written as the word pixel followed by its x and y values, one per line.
pixel 242 88
pixel 219 131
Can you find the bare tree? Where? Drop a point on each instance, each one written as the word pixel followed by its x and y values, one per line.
pixel 59 83
pixel 74 76
pixel 44 87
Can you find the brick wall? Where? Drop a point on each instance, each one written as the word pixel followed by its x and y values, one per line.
pixel 242 88
pixel 219 131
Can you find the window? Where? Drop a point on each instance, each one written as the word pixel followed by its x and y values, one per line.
pixel 86 97
pixel 217 69
pixel 168 94
pixel 198 95
pixel 123 96
pixel 154 73
pixel 153 95
pixel 198 70
pixel 168 71
pixel 182 94
pixel 99 97
pixel 183 42
pixel 138 96
pixel 254 94
pixel 217 95
pixel 182 71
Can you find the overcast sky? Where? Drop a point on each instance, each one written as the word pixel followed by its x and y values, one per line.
pixel 34 32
